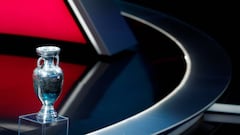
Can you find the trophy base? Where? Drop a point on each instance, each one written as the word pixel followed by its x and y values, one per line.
pixel 29 125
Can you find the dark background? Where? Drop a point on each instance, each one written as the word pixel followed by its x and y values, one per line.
pixel 218 19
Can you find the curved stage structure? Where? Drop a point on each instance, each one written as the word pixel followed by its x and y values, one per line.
pixel 208 73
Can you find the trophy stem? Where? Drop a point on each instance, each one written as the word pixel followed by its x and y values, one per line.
pixel 47 113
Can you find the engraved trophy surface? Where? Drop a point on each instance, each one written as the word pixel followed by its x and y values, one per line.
pixel 47 81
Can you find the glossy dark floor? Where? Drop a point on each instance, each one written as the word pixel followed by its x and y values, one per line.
pixel 221 25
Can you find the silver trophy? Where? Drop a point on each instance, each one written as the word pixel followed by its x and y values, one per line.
pixel 47 81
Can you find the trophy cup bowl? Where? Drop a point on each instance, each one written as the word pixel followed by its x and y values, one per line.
pixel 47 81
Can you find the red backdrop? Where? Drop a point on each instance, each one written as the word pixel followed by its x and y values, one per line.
pixel 42 18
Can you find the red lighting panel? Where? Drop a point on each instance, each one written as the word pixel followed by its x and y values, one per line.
pixel 49 19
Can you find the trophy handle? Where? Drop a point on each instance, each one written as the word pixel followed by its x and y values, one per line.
pixel 57 60
pixel 39 65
